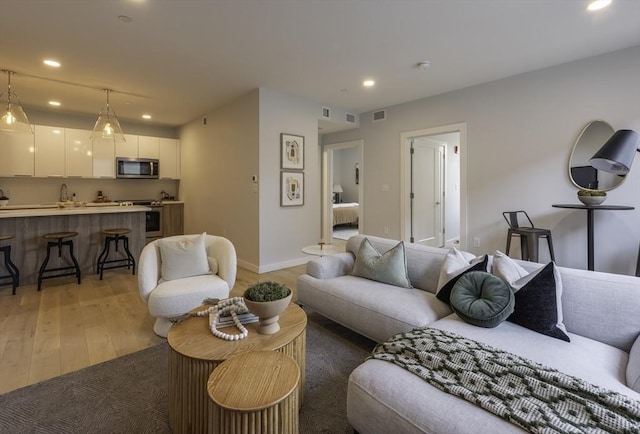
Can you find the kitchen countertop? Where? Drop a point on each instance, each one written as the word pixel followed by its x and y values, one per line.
pixel 54 210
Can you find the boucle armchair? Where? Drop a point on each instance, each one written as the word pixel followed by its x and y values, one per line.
pixel 177 273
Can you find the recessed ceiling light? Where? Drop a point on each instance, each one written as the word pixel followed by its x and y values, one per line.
pixel 54 103
pixel 125 19
pixel 598 4
pixel 368 83
pixel 146 116
pixel 51 62
pixel 424 65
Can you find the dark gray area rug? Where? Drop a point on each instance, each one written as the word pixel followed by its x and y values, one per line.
pixel 129 394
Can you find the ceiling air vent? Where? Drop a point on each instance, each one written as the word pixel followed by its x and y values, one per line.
pixel 380 115
pixel 326 113
pixel 350 118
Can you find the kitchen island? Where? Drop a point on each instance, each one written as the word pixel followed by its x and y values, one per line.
pixel 29 224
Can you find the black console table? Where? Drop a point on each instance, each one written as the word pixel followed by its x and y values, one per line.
pixel 590 209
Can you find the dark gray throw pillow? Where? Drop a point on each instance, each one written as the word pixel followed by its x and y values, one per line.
pixel 536 304
pixel 482 299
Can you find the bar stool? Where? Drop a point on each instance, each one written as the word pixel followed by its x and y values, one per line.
pixel 14 273
pixel 529 236
pixel 57 239
pixel 115 235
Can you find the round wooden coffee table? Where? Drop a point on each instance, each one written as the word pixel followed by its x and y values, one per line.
pixel 194 353
pixel 254 393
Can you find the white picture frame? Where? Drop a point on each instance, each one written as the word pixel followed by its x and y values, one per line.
pixel 291 151
pixel 291 188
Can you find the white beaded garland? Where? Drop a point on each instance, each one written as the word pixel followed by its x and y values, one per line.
pixel 234 306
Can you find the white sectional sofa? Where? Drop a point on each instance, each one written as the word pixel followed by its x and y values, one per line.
pixel 601 314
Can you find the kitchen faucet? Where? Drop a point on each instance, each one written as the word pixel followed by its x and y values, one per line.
pixel 63 193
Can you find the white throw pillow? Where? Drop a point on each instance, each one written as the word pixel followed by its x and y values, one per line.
pixel 633 367
pixel 184 257
pixel 455 264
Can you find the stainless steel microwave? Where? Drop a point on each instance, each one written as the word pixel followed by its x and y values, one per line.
pixel 143 168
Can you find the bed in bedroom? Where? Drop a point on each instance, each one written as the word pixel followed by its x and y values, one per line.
pixel 345 213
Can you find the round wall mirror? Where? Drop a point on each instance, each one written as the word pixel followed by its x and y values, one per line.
pixel 590 139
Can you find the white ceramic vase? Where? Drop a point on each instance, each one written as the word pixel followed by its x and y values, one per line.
pixel 269 313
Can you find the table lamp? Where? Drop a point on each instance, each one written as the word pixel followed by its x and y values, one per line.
pixel 337 189
pixel 616 156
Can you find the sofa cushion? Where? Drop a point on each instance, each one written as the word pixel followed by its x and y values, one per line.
pixel 482 299
pixel 390 267
pixel 456 263
pixel 538 296
pixel 183 257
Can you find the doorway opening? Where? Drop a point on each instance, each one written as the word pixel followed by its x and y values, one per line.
pixel 342 190
pixel 433 186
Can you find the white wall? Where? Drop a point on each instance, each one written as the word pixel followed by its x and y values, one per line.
pixel 520 134
pixel 218 160
pixel 285 230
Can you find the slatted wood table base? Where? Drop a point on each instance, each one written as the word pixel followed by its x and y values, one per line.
pixel 194 353
pixel 254 393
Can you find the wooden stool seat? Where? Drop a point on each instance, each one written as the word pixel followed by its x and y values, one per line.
pixel 14 273
pixel 59 235
pixel 255 393
pixel 118 231
pixel 115 235
pixel 59 239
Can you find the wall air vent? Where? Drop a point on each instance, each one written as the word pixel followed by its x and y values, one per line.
pixel 350 118
pixel 326 113
pixel 378 116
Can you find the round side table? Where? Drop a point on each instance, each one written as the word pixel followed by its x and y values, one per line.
pixel 194 353
pixel 254 393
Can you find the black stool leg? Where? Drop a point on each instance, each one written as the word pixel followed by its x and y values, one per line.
pixel 14 273
pixel 103 254
pixel 73 258
pixel 132 261
pixel 105 251
pixel 524 247
pixel 44 264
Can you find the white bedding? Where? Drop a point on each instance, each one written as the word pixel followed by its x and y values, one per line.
pixel 344 213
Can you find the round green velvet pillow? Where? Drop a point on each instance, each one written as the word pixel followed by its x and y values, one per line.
pixel 482 299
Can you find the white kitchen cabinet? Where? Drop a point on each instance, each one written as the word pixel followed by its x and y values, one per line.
pixel 16 154
pixel 78 153
pixel 149 147
pixel 104 159
pixel 169 158
pixel 128 148
pixel 49 151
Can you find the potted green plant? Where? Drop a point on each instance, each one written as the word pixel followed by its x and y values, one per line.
pixel 267 300
pixel 591 197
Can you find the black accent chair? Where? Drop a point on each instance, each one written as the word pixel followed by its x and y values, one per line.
pixel 521 225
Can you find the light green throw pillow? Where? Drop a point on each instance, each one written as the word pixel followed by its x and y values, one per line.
pixel 389 268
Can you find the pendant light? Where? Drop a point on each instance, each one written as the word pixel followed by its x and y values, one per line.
pixel 14 119
pixel 107 125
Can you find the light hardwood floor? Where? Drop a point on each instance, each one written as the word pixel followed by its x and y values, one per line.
pixel 66 327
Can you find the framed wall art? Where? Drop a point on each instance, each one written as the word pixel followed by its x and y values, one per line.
pixel 291 189
pixel 291 151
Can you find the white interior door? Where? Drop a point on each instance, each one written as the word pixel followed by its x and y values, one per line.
pixel 427 192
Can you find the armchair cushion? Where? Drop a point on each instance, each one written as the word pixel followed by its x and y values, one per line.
pixel 171 299
pixel 183 257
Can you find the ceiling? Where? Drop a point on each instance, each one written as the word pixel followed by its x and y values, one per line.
pixel 178 60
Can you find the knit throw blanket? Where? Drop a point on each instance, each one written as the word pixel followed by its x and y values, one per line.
pixel 525 393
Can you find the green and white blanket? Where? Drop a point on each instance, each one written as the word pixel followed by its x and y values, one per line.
pixel 530 395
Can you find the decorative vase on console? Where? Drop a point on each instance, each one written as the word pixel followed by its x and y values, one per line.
pixel 4 200
pixel 267 300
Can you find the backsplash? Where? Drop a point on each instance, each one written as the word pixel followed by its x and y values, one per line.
pixel 28 191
